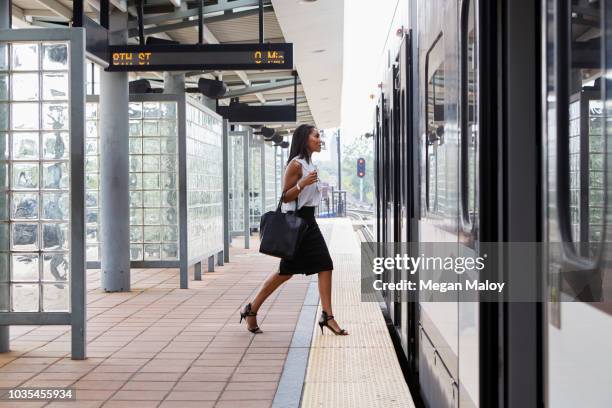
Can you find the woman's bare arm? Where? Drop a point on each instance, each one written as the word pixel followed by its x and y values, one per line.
pixel 292 175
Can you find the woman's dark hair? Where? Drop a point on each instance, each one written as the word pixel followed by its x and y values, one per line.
pixel 299 143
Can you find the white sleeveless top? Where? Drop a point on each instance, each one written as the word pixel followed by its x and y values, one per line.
pixel 309 195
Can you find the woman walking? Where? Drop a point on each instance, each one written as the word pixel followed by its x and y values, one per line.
pixel 301 190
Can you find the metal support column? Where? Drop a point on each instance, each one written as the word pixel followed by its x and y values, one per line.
pixel 174 84
pixel 226 213
pixel 263 178
pixel 114 171
pixel 247 219
pixel 5 23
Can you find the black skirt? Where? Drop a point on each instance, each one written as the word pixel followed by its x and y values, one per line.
pixel 312 255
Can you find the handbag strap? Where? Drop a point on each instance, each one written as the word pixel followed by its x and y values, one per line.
pixel 280 202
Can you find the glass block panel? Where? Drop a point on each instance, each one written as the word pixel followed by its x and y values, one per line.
pixel 150 181
pixel 204 182
pixel 151 145
pixel 91 164
pixel 150 128
pixel 169 181
pixel 25 176
pixel 151 110
pixel 91 215
pixel 135 145
pixel 4 297
pixel 24 237
pixel 25 57
pixel 136 252
pixel 136 216
pixel 92 233
pixel 4 206
pixel 135 110
pixel 55 57
pixel 56 267
pixel 24 267
pixel 152 252
pixel 4 148
pixel 169 251
pixel 92 181
pixel 136 181
pixel 25 297
pixel 167 128
pixel 91 129
pixel 168 110
pixel 56 145
pixel 56 297
pixel 135 128
pixel 170 233
pixel 152 216
pixel 24 206
pixel 25 146
pixel 91 199
pixel 4 263
pixel 92 252
pixel 5 236
pixel 151 198
pixel 55 237
pixel 25 116
pixel 136 234
pixel 135 198
pixel 38 116
pixel 55 116
pixel 4 87
pixel 152 234
pixel 24 87
pixel 151 163
pixel 135 163
pixel 56 175
pixel 55 86
pixel 4 57
pixel 168 145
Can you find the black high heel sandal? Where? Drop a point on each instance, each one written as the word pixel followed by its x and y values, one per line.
pixel 323 322
pixel 248 312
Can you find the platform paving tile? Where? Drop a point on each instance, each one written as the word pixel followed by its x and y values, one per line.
pixel 160 346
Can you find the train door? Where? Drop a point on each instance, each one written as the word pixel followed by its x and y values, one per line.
pixel 576 138
pixel 438 37
pixel 406 315
pixel 469 101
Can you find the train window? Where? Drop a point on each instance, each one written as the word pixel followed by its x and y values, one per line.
pixel 469 115
pixel 584 125
pixel 434 151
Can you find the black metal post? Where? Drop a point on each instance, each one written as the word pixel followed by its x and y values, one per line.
pixel 339 169
pixel 77 13
pixel 201 22
pixel 261 22
pixel 104 13
pixel 140 15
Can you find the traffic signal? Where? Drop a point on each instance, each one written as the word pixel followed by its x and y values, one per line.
pixel 360 167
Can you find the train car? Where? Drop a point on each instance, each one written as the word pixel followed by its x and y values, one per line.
pixel 491 126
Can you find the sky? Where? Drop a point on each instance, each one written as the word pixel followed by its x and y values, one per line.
pixel 365 32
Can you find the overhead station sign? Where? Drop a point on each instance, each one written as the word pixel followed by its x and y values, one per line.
pixel 186 57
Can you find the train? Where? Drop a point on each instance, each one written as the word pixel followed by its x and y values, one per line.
pixel 491 126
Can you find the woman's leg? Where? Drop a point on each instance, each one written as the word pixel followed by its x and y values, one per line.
pixel 273 281
pixel 325 293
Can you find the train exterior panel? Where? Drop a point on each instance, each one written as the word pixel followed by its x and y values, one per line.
pixel 491 127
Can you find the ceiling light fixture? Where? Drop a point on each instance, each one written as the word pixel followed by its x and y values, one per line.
pixel 318 51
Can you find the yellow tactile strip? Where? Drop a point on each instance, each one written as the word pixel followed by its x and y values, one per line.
pixel 359 370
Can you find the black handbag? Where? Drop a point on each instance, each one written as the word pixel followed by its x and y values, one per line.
pixel 280 233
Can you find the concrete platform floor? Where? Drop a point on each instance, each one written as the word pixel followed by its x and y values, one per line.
pixel 160 346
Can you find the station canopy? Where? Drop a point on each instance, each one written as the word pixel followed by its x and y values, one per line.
pixel 314 27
